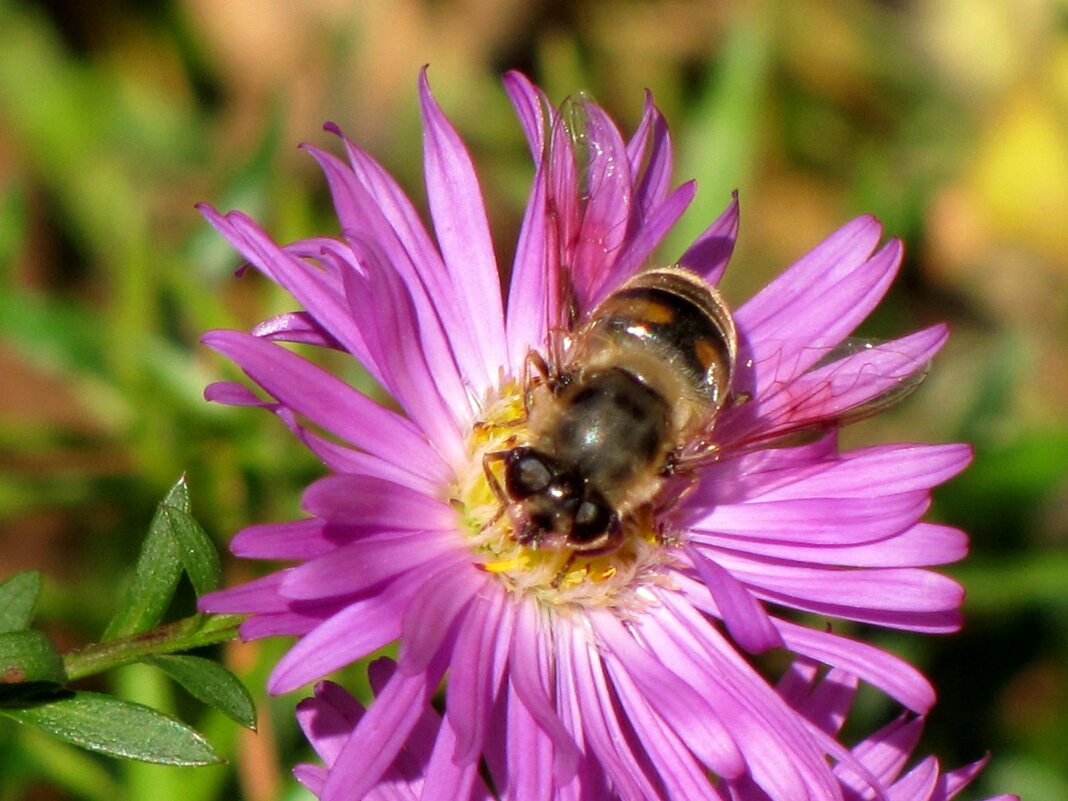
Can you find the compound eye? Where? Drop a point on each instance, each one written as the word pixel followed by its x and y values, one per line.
pixel 592 519
pixel 526 474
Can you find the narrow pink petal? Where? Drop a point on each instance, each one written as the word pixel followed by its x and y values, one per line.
pixel 635 254
pixel 447 779
pixel 533 294
pixel 356 631
pixel 921 545
pixel 797 681
pixel 329 402
pixel 258 595
pixel 828 705
pixel 530 756
pixel 317 292
pixel 370 501
pixel 834 259
pixel 284 624
pixel 953 781
pixel 233 394
pixel 777 748
pixel 430 619
pixel 363 219
pixel 907 598
pixel 382 214
pixel 886 752
pixel 818 521
pixel 299 539
pixel 710 252
pixel 588 689
pixel 475 673
pixel 918 783
pixel 650 147
pixel 345 460
pixel 313 777
pixel 682 776
pixel 532 107
pixel 879 470
pixel 590 779
pixel 746 620
pixel 327 719
pixel 689 714
pixel 380 735
pixel 530 676
pixel 563 195
pixel 392 338
pixel 355 568
pixel 459 216
pixel 830 395
pixel 737 477
pixel 889 673
pixel 818 316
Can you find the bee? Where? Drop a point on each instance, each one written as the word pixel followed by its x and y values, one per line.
pixel 654 383
pixel 643 377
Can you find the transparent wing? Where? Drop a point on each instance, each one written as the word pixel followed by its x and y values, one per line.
pixel 567 160
pixel 796 392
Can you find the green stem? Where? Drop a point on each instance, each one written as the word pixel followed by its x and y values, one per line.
pixel 182 635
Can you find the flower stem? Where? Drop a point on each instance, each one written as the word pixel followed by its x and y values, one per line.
pixel 182 635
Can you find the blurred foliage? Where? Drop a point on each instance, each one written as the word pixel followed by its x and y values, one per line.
pixel 947 118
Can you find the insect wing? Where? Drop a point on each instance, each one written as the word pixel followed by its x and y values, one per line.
pixel 778 400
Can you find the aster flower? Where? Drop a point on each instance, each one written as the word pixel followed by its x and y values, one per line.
pixel 328 720
pixel 825 702
pixel 572 674
pixel 330 717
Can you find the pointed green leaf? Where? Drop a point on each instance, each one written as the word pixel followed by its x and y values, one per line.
pixel 27 661
pixel 18 597
pixel 198 554
pixel 119 728
pixel 159 567
pixel 211 683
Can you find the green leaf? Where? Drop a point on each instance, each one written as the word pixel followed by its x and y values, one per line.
pixel 175 542
pixel 211 683
pixel 721 138
pixel 198 554
pixel 119 728
pixel 18 597
pixel 27 661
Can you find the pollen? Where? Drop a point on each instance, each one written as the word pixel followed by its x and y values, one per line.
pixel 559 577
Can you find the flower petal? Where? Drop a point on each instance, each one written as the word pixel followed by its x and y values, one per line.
pixel 357 567
pixel 459 216
pixel 357 630
pixel 744 617
pixel 710 252
pixel 532 107
pixel 329 402
pixel 373 209
pixel 373 502
pixel 687 712
pixel 380 735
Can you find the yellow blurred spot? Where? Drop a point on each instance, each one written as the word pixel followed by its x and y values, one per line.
pixel 1020 177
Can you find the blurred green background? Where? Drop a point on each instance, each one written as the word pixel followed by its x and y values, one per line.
pixel 947 118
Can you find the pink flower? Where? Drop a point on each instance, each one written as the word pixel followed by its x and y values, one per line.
pixel 878 760
pixel 875 765
pixel 328 721
pixel 575 673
